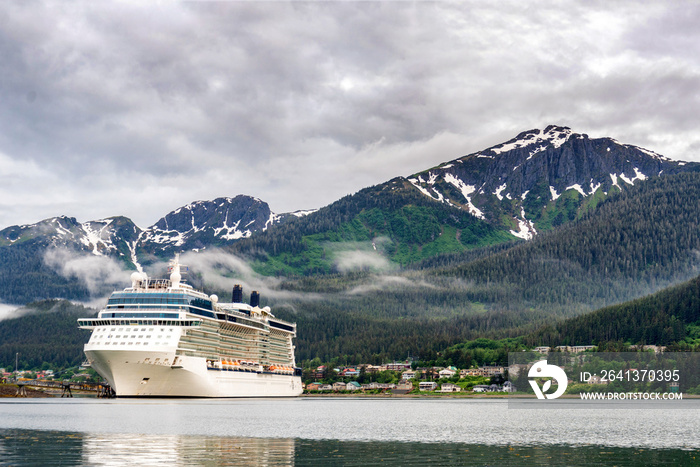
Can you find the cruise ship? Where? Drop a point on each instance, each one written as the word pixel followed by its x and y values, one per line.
pixel 162 338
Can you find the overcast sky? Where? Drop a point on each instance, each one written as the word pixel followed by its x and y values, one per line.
pixel 122 109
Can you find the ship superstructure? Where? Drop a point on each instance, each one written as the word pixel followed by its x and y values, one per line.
pixel 161 337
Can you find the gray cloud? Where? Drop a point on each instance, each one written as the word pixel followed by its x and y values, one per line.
pixel 108 105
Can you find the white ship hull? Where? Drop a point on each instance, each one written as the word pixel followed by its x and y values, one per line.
pixel 129 376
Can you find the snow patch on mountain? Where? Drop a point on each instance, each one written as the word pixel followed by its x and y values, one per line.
pixel 272 220
pixel 303 213
pixel 614 180
pixel 535 151
pixel 466 190
pixel 498 192
pixel 416 182
pixel 526 229
pixel 551 136
pixel 94 238
pixel 576 187
pixel 554 193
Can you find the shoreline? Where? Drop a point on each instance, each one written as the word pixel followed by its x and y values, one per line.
pixel 447 395
pixel 10 391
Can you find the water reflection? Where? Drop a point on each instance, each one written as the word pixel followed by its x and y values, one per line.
pixel 37 447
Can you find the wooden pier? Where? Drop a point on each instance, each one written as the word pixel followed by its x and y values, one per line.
pixel 101 390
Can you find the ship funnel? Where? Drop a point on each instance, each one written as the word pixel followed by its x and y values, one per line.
pixel 254 298
pixel 237 294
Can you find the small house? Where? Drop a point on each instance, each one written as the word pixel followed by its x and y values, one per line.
pixel 339 386
pixel 427 386
pixel 449 387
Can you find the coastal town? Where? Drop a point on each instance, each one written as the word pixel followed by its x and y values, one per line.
pixel 407 378
pixel 402 378
pixel 394 378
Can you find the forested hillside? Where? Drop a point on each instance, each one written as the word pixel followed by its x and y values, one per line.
pixel 25 277
pixel 636 242
pixel 671 315
pixel 48 332
pixel 391 221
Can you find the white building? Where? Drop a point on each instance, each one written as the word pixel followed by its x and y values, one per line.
pixel 427 386
pixel 449 387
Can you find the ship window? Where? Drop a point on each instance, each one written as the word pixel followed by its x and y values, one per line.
pixel 148 337
pixel 123 343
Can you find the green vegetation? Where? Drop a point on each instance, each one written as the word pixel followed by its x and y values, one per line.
pixel 25 278
pixel 47 334
pixel 392 221
pixel 670 316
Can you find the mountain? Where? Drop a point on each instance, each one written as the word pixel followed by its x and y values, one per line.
pixel 377 227
pixel 109 236
pixel 541 178
pixel 634 243
pixel 537 181
pixel 26 274
pixel 210 223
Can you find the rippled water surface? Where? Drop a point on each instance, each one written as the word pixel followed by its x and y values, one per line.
pixel 340 431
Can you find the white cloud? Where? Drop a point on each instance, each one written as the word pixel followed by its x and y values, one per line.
pixel 99 274
pixel 10 311
pixel 360 260
pixel 222 270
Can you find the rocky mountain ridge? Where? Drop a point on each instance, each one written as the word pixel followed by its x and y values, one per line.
pixel 198 225
pixel 514 183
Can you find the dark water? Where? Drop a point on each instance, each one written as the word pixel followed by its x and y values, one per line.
pixel 339 431
pixel 33 447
